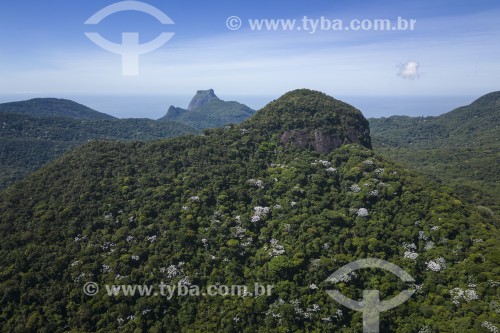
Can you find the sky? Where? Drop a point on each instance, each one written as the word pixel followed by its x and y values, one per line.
pixel 453 50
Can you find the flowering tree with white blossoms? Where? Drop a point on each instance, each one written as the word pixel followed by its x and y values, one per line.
pixel 362 212
pixel 276 248
pixel 436 265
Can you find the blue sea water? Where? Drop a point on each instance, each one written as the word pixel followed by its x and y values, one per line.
pixel 415 106
pixel 154 107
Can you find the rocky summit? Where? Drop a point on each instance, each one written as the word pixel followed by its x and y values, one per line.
pixel 201 98
pixel 309 119
pixel 206 110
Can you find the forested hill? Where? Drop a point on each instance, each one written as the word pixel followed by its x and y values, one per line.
pixel 36 131
pixel 477 124
pixel 27 142
pixel 53 107
pixel 262 202
pixel 460 149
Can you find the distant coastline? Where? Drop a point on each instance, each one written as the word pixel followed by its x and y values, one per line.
pixel 155 106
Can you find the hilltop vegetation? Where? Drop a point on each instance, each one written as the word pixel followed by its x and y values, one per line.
pixel 27 143
pixel 321 123
pixel 460 149
pixel 474 125
pixel 37 131
pixel 237 206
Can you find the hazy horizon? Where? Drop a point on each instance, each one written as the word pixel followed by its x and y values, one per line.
pixel 156 106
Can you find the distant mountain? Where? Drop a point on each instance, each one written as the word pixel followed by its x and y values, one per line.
pixel 256 203
pixel 201 98
pixel 29 142
pixel 206 110
pixel 53 107
pixel 474 125
pixel 460 148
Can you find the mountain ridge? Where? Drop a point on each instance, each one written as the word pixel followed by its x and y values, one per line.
pixel 477 122
pixel 28 142
pixel 53 107
pixel 457 148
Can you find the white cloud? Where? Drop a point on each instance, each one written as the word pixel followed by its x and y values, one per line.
pixel 409 70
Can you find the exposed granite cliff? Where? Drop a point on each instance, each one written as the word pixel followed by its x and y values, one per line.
pixel 201 98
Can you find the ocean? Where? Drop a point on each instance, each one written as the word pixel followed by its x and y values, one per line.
pixel 154 107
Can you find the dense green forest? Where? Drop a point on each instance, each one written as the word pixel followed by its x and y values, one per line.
pixel 459 149
pixel 28 140
pixel 39 130
pixel 240 205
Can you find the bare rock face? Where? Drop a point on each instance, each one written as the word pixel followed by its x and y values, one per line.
pixel 321 142
pixel 201 98
pixel 325 143
pixel 298 138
